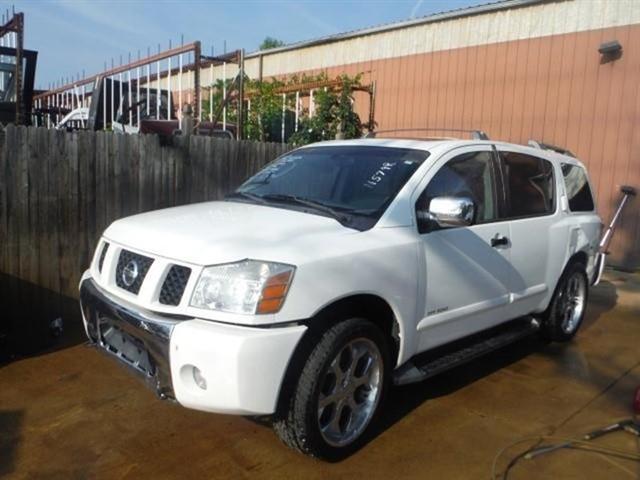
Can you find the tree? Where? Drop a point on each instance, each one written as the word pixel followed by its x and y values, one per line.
pixel 270 42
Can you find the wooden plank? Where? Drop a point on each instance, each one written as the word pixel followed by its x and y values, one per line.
pixel 85 200
pixel 209 173
pixel 4 198
pixel 12 201
pixel 145 173
pixel 33 188
pixel 52 219
pixel 22 202
pixel 67 211
pixel 222 168
pixel 42 185
pixel 128 166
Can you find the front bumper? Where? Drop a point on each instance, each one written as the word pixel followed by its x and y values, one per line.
pixel 243 367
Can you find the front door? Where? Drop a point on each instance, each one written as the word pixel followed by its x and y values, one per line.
pixel 466 269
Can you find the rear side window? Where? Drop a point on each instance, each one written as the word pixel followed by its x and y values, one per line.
pixel 529 185
pixel 577 187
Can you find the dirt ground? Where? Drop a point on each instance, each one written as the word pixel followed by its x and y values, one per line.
pixel 75 414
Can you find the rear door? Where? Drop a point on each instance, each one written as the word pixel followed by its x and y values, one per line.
pixel 466 270
pixel 532 212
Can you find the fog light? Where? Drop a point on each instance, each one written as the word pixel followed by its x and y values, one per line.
pixel 199 379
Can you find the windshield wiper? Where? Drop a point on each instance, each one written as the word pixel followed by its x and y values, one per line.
pixel 246 195
pixel 306 202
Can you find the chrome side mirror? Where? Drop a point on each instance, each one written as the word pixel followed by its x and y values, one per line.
pixel 449 212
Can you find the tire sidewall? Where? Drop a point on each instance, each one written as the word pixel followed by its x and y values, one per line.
pixel 349 330
pixel 553 324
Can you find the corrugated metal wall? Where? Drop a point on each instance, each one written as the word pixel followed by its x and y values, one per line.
pixel 553 89
pixel 516 73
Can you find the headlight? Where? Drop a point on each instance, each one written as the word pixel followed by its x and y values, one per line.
pixel 248 286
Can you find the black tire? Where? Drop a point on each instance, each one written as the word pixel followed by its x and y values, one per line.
pixel 298 422
pixel 555 326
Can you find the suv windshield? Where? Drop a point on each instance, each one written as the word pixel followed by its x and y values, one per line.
pixel 353 184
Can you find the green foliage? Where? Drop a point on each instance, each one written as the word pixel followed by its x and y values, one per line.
pixel 217 101
pixel 266 109
pixel 333 113
pixel 270 42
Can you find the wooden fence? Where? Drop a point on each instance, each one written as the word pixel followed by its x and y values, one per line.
pixel 60 190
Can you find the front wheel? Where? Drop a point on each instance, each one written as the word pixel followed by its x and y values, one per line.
pixel 568 305
pixel 338 393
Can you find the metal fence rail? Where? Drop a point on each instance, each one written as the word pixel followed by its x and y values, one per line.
pixel 60 190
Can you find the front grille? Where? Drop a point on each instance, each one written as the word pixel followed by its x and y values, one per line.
pixel 131 270
pixel 103 254
pixel 174 285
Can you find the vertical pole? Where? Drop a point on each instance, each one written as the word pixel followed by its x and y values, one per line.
pixel 372 106
pixel 148 91
pixel 197 99
pixel 158 91
pixel 224 95
pixel 138 95
pixel 284 101
pixel 18 45
pixel 312 104
pixel 104 103
pixel 297 109
pixel 180 92
pixel 113 95
pixel 129 106
pixel 240 126
pixel 121 97
pixel 211 89
pixel 169 87
pixel 2 42
pixel 248 115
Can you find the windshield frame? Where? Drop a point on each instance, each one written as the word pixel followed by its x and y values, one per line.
pixel 363 219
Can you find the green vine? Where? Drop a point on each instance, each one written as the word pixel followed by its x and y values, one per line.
pixel 333 113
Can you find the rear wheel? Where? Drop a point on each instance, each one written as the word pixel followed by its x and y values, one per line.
pixel 564 316
pixel 338 393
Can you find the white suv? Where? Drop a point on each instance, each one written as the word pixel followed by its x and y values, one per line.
pixel 337 270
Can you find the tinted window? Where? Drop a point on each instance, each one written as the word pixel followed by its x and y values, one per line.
pixel 467 175
pixel 529 185
pixel 577 187
pixel 359 181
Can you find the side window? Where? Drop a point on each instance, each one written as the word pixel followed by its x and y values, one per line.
pixel 467 175
pixel 529 184
pixel 577 187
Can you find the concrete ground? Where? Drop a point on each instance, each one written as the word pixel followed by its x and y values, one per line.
pixel 75 414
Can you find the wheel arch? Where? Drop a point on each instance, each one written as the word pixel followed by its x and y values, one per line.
pixel 580 257
pixel 366 305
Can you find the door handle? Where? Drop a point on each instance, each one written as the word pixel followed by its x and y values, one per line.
pixel 499 240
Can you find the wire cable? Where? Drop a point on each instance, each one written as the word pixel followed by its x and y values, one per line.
pixel 568 443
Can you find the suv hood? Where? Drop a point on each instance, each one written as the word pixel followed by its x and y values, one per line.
pixel 219 232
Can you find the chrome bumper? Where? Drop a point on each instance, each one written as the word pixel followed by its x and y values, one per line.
pixel 139 340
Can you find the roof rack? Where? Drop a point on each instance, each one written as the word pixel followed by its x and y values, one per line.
pixel 548 146
pixel 475 134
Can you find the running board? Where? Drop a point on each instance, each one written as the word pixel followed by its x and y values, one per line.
pixel 438 360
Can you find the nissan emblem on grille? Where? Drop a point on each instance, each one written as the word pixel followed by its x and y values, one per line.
pixel 130 273
pixel 131 270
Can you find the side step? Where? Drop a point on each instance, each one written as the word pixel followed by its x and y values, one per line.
pixel 438 360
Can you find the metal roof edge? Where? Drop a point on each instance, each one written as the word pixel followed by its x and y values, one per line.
pixel 437 17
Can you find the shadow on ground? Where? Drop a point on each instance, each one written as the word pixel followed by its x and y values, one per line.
pixel 36 320
pixel 10 426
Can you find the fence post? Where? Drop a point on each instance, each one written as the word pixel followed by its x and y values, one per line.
pixel 187 121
